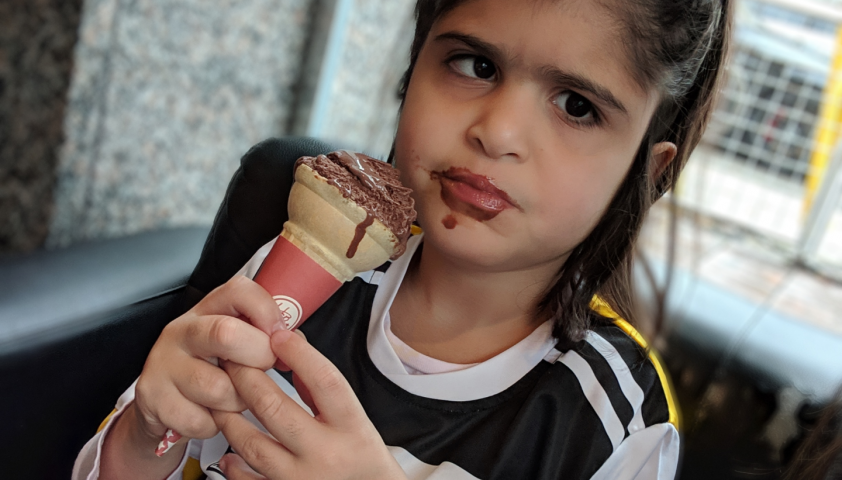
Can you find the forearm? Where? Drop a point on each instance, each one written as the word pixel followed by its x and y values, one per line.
pixel 128 451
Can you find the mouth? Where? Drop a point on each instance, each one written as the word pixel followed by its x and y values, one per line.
pixel 473 195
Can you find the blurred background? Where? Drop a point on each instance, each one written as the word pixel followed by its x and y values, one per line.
pixel 122 121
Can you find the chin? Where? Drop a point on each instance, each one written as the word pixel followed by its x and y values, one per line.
pixel 469 243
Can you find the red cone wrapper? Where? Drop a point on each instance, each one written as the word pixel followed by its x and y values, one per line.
pixel 298 283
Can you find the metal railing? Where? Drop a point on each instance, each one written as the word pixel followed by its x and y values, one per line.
pixel 770 160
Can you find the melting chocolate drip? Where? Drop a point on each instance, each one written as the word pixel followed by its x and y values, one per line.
pixel 359 233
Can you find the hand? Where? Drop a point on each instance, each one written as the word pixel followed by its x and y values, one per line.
pixel 180 380
pixel 339 443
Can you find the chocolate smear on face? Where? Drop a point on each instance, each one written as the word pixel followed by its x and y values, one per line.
pixel 373 185
pixel 449 222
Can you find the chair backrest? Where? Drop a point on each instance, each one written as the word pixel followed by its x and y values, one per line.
pixel 253 211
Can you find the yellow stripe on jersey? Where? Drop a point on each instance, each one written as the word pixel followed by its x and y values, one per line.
pixel 105 422
pixel 192 470
pixel 601 307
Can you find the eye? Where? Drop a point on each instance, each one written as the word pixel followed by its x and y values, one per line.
pixel 575 105
pixel 475 67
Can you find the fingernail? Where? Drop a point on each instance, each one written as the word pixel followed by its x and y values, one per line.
pixel 281 336
pixel 300 334
pixel 277 327
pixel 223 464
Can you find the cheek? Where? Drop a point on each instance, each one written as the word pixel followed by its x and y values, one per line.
pixel 574 200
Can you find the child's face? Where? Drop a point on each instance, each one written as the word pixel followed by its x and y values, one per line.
pixel 535 97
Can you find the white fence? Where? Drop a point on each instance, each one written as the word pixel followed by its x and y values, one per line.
pixel 752 167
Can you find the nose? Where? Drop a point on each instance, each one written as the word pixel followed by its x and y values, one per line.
pixel 500 129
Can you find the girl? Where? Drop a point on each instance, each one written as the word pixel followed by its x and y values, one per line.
pixel 535 135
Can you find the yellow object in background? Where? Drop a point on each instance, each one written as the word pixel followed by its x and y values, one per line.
pixel 828 131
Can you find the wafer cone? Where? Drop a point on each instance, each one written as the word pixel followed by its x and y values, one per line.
pixel 323 224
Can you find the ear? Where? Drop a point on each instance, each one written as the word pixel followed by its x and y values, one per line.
pixel 663 154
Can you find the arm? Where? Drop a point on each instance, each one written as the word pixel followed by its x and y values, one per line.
pixel 89 461
pixel 650 454
pixel 180 382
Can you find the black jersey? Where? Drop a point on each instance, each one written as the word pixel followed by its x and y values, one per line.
pixel 597 409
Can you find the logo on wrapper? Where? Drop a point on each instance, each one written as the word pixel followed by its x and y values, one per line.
pixel 290 310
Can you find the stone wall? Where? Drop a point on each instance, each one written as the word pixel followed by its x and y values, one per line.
pixel 167 95
pixel 36 56
pixel 364 100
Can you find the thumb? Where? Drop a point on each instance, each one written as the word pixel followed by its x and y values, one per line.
pixel 235 468
pixel 279 364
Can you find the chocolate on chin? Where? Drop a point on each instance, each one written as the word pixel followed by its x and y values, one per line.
pixel 348 213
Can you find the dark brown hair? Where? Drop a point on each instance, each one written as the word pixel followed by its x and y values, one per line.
pixel 819 457
pixel 678 47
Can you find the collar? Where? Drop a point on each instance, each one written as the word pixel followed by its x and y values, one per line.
pixel 480 381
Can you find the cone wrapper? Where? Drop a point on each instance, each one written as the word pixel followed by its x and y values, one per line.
pixel 297 283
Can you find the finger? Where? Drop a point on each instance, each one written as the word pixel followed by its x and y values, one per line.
pixel 207 385
pixel 187 418
pixel 162 408
pixel 331 394
pixel 242 298
pixel 228 338
pixel 281 415
pixel 258 449
pixel 304 393
pixel 235 468
pixel 279 365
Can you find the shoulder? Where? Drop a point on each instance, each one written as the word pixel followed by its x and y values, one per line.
pixel 635 366
pixel 621 378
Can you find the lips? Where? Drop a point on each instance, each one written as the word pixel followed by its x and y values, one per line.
pixel 473 195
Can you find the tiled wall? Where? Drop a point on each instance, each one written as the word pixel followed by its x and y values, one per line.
pixel 364 103
pixel 167 95
pixel 36 56
pixel 164 98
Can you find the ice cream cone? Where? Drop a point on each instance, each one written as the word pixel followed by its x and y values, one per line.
pixel 327 241
pixel 326 226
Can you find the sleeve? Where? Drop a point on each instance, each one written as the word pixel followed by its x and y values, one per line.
pixel 253 265
pixel 650 454
pixel 87 462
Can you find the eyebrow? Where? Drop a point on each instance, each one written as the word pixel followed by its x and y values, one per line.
pixel 484 48
pixel 549 72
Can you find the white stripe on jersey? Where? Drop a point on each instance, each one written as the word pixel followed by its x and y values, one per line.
pixel 651 454
pixel 372 277
pixel 253 265
pixel 596 396
pixel 415 469
pixel 628 385
pixel 552 356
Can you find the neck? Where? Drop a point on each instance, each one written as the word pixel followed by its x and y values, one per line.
pixel 463 315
